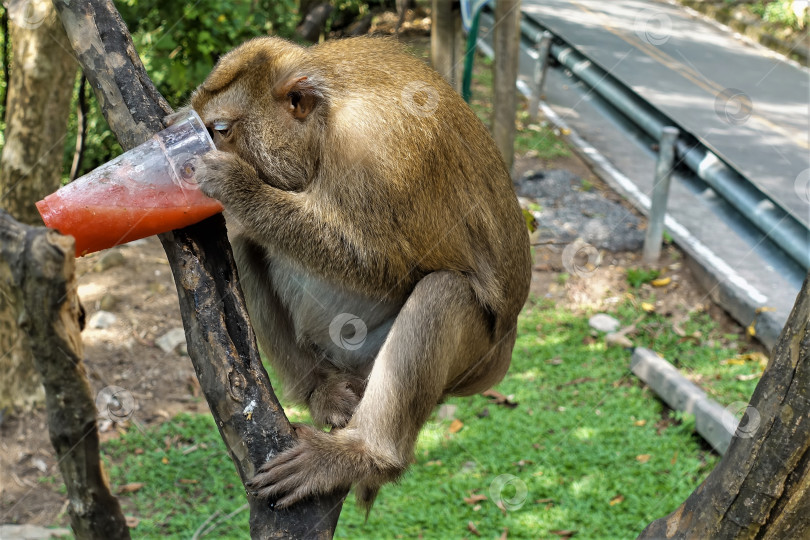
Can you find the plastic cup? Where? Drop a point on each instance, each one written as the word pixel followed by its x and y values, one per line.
pixel 149 190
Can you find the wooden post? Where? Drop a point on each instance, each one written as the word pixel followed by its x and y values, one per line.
pixel 447 41
pixel 506 38
pixel 459 48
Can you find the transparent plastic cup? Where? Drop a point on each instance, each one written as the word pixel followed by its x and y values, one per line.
pixel 149 190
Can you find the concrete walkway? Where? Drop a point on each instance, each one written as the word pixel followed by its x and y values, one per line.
pixel 748 106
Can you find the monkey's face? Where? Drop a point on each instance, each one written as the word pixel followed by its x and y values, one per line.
pixel 261 103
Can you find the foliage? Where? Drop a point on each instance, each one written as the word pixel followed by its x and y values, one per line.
pixel 638 276
pixel 179 43
pixel 779 12
pixel 776 11
pixel 596 451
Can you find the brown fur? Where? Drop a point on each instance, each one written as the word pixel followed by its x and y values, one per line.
pixel 355 180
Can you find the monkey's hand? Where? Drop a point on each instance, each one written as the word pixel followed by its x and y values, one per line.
pixel 308 468
pixel 319 463
pixel 227 177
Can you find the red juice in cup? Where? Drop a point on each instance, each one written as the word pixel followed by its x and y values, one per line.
pixel 149 190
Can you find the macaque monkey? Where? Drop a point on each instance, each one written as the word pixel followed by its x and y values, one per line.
pixel 380 246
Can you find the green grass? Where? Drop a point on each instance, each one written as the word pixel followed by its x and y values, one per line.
pixel 572 442
pixel 638 276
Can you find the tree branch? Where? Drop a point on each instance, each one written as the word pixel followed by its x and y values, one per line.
pixel 221 342
pixel 37 276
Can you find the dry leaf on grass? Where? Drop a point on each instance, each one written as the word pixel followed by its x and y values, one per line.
pixel 499 399
pixel 475 498
pixel 564 533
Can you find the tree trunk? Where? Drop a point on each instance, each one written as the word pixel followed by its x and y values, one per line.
pixel 42 75
pixel 39 93
pixel 760 487
pixel 37 271
pixel 221 342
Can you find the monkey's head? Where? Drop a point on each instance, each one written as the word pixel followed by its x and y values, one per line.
pixel 265 103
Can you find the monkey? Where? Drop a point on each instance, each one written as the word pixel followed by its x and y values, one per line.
pixel 379 243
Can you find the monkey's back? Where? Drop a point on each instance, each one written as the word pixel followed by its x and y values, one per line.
pixel 415 145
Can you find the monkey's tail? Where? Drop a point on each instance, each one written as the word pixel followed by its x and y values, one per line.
pixel 365 495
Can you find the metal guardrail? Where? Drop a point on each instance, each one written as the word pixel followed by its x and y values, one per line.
pixel 792 236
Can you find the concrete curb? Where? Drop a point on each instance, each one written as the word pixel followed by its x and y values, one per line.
pixel 713 422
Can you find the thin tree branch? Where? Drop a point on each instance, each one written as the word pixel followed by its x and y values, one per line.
pixel 221 342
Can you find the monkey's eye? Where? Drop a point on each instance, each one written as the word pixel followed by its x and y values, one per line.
pixel 219 128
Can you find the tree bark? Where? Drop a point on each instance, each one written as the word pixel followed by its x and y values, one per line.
pixel 38 104
pixel 760 487
pixel 221 342
pixel 42 75
pixel 506 40
pixel 313 24
pixel 37 275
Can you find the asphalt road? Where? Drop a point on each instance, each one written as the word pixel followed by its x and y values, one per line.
pixel 747 105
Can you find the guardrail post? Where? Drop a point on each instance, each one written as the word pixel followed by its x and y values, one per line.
pixel 540 68
pixel 660 194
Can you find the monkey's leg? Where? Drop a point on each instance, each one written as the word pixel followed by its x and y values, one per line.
pixel 439 334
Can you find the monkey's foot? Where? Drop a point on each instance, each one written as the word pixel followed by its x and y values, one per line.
pixel 319 463
pixel 333 403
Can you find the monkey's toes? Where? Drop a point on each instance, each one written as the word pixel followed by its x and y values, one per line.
pixel 333 404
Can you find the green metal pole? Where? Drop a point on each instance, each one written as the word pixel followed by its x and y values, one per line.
pixel 469 57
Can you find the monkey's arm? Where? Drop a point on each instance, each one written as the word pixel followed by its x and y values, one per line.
pixel 289 222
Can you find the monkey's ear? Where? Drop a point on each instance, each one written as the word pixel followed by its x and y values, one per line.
pixel 302 95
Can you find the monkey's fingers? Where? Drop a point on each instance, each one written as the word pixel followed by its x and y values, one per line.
pixel 284 457
pixel 175 116
pixel 274 489
pixel 292 498
pixel 278 473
